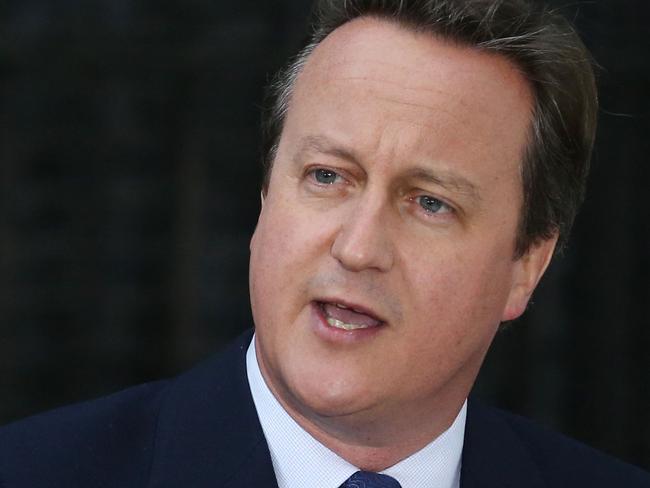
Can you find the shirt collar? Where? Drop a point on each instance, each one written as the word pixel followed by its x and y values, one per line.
pixel 300 460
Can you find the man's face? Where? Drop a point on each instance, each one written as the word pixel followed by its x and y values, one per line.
pixel 382 262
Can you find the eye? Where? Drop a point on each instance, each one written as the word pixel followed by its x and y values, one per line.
pixel 325 176
pixel 433 205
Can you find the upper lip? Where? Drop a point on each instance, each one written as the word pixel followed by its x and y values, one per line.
pixel 355 306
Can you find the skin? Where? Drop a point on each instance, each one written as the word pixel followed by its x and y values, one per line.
pixel 397 188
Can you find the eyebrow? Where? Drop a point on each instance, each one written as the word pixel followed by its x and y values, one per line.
pixel 445 179
pixel 323 145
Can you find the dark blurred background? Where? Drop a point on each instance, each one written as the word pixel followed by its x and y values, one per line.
pixel 129 184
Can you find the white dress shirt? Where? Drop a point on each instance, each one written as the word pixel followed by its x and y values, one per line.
pixel 300 460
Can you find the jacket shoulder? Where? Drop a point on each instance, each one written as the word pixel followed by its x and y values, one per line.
pixel 99 443
pixel 563 461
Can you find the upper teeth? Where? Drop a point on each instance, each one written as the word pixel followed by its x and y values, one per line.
pixel 338 305
pixel 342 325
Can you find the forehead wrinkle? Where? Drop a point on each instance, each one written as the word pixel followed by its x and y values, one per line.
pixel 417 91
pixel 400 85
pixel 420 106
pixel 415 97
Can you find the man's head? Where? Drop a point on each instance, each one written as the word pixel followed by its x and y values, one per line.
pixel 541 44
pixel 387 250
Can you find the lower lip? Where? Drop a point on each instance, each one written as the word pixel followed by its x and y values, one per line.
pixel 332 334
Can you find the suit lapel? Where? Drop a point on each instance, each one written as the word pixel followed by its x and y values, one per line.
pixel 493 454
pixel 208 431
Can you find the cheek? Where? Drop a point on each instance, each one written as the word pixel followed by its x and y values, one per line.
pixel 286 248
pixel 458 291
pixel 285 234
pixel 456 308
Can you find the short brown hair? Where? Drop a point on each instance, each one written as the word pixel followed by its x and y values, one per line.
pixel 540 42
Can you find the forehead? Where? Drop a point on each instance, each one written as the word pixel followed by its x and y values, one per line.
pixel 377 49
pixel 372 69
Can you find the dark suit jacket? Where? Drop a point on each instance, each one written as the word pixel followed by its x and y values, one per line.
pixel 201 430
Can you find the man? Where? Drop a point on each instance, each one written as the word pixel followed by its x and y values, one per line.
pixel 424 161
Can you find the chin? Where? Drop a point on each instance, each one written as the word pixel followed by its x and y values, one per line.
pixel 327 396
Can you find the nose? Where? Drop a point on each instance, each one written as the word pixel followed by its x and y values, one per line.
pixel 363 240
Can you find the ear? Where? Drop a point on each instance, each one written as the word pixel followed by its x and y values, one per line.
pixel 262 198
pixel 528 270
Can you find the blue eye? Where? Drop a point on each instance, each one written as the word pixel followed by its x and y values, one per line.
pixel 432 205
pixel 325 176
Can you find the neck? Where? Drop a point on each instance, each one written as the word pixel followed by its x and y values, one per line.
pixel 374 449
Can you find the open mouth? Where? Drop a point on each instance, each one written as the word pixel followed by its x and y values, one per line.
pixel 342 316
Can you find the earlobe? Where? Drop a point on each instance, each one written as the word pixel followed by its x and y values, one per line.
pixel 529 269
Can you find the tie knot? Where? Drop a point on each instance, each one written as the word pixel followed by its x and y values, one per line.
pixel 366 479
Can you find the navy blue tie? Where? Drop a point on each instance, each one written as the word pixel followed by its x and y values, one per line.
pixel 366 479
